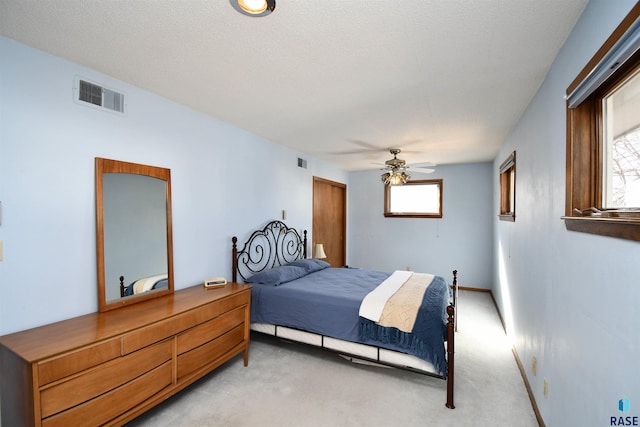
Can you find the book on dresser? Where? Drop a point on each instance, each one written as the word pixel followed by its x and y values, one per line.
pixel 107 368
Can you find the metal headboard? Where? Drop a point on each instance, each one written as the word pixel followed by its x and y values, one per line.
pixel 274 245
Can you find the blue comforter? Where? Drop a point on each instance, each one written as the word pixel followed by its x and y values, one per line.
pixel 327 302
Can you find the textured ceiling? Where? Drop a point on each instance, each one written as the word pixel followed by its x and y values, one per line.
pixel 446 80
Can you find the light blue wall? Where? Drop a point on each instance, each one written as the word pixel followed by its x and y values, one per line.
pixel 461 239
pixel 569 299
pixel 225 181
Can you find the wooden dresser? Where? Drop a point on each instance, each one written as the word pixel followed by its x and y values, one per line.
pixel 107 368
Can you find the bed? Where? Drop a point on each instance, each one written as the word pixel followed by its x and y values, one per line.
pixel 144 284
pixel 347 310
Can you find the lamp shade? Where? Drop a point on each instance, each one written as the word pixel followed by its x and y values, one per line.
pixel 319 251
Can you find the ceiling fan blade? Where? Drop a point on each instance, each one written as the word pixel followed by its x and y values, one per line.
pixel 367 148
pixel 371 148
pixel 360 151
pixel 422 165
pixel 421 171
pixel 367 145
pixel 408 142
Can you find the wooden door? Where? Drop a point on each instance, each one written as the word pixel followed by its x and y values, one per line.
pixel 330 220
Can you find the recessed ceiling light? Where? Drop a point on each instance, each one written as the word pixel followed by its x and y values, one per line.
pixel 255 8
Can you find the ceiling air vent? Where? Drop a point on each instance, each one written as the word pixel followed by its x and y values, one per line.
pixel 91 94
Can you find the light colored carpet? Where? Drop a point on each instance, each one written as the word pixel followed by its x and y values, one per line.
pixel 288 384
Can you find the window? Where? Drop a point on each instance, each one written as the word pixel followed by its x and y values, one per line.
pixel 508 189
pixel 415 199
pixel 603 132
pixel 621 146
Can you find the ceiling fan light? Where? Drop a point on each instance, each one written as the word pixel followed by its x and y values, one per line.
pixel 395 177
pixel 395 180
pixel 398 178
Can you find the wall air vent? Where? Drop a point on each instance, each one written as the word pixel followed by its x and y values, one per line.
pixel 302 163
pixel 94 95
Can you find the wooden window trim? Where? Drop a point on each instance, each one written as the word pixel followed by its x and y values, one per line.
pixel 387 201
pixel 584 148
pixel 507 183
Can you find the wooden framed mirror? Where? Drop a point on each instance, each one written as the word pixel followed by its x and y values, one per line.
pixel 133 233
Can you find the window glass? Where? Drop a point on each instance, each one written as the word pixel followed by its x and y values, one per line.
pixel 508 189
pixel 421 198
pixel 621 146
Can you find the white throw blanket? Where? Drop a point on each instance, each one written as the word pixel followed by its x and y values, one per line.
pixel 147 283
pixel 373 304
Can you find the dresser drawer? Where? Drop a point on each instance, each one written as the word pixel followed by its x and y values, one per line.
pixel 209 352
pixel 210 330
pixel 237 300
pixel 77 361
pixel 95 382
pixel 161 330
pixel 110 405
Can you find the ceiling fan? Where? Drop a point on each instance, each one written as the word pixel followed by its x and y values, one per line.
pixel 396 170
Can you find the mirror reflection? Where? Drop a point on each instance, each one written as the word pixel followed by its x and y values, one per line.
pixel 135 241
pixel 133 214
